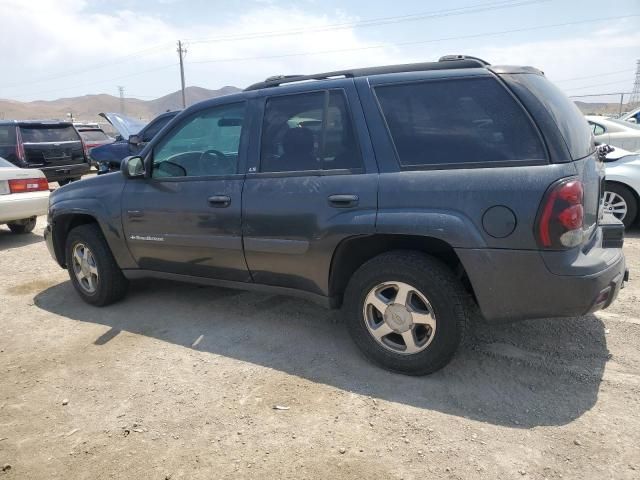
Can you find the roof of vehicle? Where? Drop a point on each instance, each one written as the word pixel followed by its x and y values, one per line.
pixel 624 125
pixel 448 62
pixel 26 123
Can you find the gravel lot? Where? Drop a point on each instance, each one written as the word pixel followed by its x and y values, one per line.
pixel 180 382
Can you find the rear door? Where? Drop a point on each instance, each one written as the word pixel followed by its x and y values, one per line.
pixel 185 218
pixel 312 182
pixel 47 145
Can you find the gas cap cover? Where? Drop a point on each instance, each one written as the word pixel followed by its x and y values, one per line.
pixel 499 221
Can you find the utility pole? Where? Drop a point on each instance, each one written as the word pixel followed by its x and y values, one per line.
pixel 635 95
pixel 181 52
pixel 121 91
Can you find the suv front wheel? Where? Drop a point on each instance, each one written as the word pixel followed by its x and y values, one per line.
pixel 92 268
pixel 406 311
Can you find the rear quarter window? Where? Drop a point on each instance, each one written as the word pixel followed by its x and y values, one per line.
pixel 458 122
pixel 38 134
pixel 575 130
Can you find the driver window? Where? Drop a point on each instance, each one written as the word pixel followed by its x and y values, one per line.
pixel 204 144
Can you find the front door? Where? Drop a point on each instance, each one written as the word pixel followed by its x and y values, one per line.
pixel 308 187
pixel 186 217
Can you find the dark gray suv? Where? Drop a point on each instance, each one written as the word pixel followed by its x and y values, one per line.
pixel 413 196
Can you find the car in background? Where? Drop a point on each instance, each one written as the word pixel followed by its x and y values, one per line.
pixel 615 132
pixel 51 146
pixel 24 194
pixel 632 116
pixel 133 136
pixel 93 136
pixel 622 186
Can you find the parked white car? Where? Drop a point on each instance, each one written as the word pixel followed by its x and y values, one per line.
pixel 622 186
pixel 632 117
pixel 24 194
pixel 615 132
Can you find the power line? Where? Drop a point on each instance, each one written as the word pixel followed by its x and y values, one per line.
pixel 482 7
pixel 96 66
pixel 617 72
pixel 402 44
pixel 597 85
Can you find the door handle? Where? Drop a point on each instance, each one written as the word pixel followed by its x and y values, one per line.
pixel 220 201
pixel 135 213
pixel 343 201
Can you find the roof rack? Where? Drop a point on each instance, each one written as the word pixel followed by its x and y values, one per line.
pixel 444 63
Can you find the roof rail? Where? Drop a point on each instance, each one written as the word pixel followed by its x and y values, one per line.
pixel 444 63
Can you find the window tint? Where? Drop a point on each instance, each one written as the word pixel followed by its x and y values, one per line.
pixel 456 122
pixel 566 115
pixel 205 144
pixel 153 128
pixel 310 131
pixel 49 134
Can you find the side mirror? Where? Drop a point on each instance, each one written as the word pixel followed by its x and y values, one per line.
pixel 135 140
pixel 132 167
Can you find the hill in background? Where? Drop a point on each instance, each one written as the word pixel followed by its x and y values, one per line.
pixel 87 107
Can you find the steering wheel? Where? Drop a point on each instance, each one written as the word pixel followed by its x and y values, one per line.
pixel 215 167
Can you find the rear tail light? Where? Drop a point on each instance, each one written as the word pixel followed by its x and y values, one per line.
pixel 85 147
pixel 28 185
pixel 19 146
pixel 561 216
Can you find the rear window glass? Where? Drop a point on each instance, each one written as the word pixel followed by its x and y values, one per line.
pixel 7 135
pixel 462 121
pixel 570 121
pixel 48 134
pixel 93 136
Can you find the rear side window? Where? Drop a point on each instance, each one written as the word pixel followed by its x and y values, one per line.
pixel 37 134
pixel 457 122
pixel 309 131
pixel 7 135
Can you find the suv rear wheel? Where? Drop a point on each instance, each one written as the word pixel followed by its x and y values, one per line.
pixel 92 268
pixel 406 311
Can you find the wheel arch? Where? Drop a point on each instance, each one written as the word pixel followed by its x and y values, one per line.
pixel 63 224
pixel 353 252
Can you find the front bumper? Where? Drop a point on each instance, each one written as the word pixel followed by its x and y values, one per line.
pixel 48 239
pixel 516 284
pixel 19 206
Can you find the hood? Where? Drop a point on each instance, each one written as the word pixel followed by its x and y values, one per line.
pixel 126 126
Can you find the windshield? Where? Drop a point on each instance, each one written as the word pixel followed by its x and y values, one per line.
pixel 48 133
pixel 6 164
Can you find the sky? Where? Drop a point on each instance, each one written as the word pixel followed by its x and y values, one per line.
pixel 65 48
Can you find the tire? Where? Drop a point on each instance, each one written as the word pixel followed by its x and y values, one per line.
pixel 62 183
pixel 23 226
pixel 109 284
pixel 431 281
pixel 629 198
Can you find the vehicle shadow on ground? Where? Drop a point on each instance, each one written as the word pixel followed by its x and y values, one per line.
pixel 12 240
pixel 527 374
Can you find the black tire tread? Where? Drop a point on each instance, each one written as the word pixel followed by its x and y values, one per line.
pixel 112 285
pixel 431 270
pixel 22 228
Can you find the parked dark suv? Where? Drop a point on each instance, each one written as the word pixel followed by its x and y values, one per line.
pixel 411 195
pixel 51 146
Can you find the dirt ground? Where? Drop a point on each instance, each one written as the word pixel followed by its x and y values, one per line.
pixel 180 382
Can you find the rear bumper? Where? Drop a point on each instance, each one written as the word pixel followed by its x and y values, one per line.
pixel 64 172
pixel 19 206
pixel 514 285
